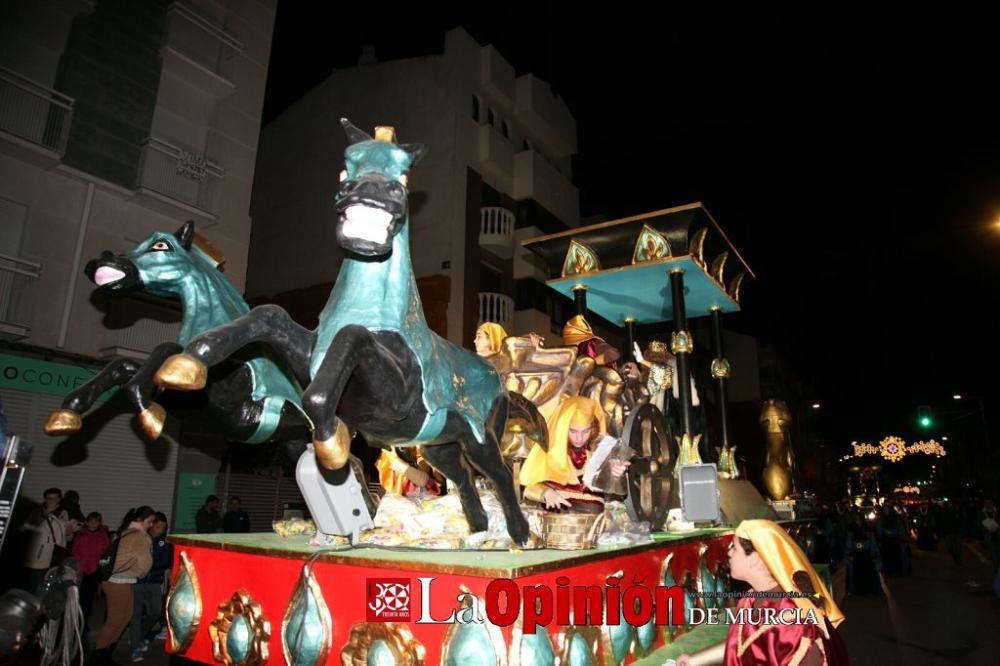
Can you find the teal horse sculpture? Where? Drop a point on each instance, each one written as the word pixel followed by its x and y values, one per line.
pixel 253 398
pixel 373 363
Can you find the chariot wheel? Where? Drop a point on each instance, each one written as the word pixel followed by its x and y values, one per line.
pixel 651 473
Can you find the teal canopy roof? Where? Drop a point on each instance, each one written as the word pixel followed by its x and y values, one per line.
pixel 625 264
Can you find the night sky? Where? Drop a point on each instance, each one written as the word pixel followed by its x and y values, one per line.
pixel 854 162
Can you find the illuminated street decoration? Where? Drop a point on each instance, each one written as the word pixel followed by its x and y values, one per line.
pixel 894 449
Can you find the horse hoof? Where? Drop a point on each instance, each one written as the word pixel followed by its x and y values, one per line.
pixel 332 453
pixel 534 542
pixel 63 422
pixel 151 419
pixel 183 373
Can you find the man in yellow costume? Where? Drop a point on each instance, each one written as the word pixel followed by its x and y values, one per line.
pixel 400 477
pixel 765 556
pixel 579 451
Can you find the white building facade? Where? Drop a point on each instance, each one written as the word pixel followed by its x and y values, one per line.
pixel 116 119
pixel 498 170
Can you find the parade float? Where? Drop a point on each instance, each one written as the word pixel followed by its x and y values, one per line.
pixel 374 367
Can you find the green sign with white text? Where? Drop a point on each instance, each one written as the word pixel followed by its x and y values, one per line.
pixel 34 376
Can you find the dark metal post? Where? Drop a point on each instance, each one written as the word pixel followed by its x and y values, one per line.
pixel 681 345
pixel 629 354
pixel 580 296
pixel 720 371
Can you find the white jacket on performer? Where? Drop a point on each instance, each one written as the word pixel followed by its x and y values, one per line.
pixel 42 537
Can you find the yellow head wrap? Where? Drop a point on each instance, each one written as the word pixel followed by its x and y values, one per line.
pixel 495 333
pixel 783 558
pixel 555 465
pixel 392 470
pixel 577 330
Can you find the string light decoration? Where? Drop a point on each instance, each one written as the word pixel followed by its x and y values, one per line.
pixel 931 448
pixel 894 449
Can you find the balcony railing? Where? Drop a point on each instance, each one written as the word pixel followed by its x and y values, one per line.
pixel 496 229
pixel 139 339
pixel 202 40
pixel 183 176
pixel 498 308
pixel 15 274
pixel 32 112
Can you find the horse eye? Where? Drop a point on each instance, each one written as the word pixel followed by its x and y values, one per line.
pixel 160 246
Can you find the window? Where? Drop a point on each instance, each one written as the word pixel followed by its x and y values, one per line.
pixel 490 279
pixel 491 117
pixel 505 129
pixel 475 108
pixel 12 217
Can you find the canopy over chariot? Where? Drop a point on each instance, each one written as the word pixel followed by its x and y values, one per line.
pixel 643 270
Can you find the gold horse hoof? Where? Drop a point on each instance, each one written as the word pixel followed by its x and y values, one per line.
pixel 151 419
pixel 63 422
pixel 332 453
pixel 183 373
pixel 535 542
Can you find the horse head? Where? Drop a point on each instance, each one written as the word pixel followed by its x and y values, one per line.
pixel 372 200
pixel 159 264
pixel 775 416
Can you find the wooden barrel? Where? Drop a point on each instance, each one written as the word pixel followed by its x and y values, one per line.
pixel 572 531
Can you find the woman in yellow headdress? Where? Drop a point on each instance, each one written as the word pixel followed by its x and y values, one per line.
pixel 579 447
pixel 765 556
pixel 489 338
pixel 578 333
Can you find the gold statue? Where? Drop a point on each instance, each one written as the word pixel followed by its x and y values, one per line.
pixel 727 463
pixel 688 452
pixel 776 418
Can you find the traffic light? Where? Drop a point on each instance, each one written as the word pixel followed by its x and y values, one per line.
pixel 924 417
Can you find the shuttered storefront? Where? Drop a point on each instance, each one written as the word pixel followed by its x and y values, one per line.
pixel 114 470
pixel 263 497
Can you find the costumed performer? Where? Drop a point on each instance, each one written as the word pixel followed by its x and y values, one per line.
pixel 578 333
pixel 580 451
pixel 398 476
pixel 765 556
pixel 490 336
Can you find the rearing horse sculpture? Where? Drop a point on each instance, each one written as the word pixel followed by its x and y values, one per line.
pixel 373 363
pixel 253 399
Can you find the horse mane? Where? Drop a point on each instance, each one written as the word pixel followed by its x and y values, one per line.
pixel 211 251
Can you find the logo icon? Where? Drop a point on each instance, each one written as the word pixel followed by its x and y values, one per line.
pixel 388 599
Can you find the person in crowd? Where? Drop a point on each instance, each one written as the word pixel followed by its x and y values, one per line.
pixel 89 544
pixel 47 537
pixel 889 531
pixel 236 520
pixel 863 561
pixel 906 538
pixel 69 509
pixel 763 555
pixel 989 522
pixel 208 520
pixel 148 609
pixel 822 531
pixel 926 528
pixel 951 532
pixel 133 560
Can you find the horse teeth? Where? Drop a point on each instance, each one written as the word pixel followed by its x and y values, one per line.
pixel 105 275
pixel 367 223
